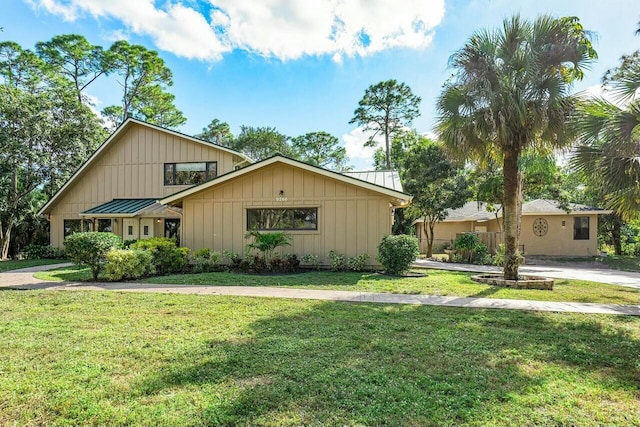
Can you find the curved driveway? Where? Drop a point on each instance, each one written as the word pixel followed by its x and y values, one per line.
pixel 602 275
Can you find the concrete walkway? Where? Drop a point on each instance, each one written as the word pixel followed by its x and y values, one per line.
pixel 601 275
pixel 24 276
pixel 23 279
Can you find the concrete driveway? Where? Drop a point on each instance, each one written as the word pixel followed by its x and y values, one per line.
pixel 602 275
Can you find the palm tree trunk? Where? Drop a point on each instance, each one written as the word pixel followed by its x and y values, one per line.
pixel 510 169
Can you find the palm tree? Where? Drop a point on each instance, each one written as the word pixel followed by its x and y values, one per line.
pixel 509 93
pixel 609 150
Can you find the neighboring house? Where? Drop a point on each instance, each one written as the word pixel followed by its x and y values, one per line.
pixel 217 194
pixel 545 228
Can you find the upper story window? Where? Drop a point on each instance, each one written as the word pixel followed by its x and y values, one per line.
pixel 189 173
pixel 581 228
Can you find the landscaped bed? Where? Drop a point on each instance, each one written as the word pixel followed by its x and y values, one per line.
pixel 436 282
pixel 108 358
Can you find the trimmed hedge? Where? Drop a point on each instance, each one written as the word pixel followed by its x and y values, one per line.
pixel 397 253
pixel 128 264
pixel 167 258
pixel 91 249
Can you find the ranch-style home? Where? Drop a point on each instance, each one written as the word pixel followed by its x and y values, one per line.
pixel 545 228
pixel 147 181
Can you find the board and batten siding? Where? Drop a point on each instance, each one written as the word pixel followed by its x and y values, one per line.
pixel 351 220
pixel 132 166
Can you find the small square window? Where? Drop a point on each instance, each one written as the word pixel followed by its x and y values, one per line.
pixel 145 230
pixel 130 230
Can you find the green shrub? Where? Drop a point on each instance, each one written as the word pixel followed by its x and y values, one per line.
pixel 397 253
pixel 34 251
pixel 310 260
pixel 472 250
pixel 91 249
pixel 498 258
pixel 358 262
pixel 128 264
pixel 167 258
pixel 235 259
pixel 204 260
pixel 292 262
pixel 266 243
pixel 338 262
pixel 127 243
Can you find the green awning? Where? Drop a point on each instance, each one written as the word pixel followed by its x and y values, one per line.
pixel 120 207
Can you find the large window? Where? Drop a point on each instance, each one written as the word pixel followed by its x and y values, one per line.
pixel 581 228
pixel 282 219
pixel 189 173
pixel 76 226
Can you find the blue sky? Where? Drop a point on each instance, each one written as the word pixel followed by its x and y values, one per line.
pixel 302 65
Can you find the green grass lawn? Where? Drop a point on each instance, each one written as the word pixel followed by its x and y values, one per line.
pixel 109 358
pixel 14 264
pixel 437 282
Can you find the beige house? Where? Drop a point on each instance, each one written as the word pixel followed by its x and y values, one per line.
pixel 545 228
pixel 146 181
pixel 322 210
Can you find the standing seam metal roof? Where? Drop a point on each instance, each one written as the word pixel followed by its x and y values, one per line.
pixel 121 206
pixel 387 179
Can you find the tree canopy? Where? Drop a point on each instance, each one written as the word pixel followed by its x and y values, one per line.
pixel 143 77
pixel 386 108
pixel 608 152
pixel 509 93
pixel 435 184
pixel 45 133
pixel 320 149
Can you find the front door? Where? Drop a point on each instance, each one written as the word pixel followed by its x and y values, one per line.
pixel 130 229
pixel 172 229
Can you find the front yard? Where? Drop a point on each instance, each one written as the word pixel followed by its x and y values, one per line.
pixel 16 264
pixel 436 282
pixel 109 358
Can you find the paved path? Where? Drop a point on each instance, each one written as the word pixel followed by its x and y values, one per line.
pixel 19 279
pixel 24 276
pixel 602 275
pixel 351 296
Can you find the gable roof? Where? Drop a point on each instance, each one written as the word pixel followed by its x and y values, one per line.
pixel 477 211
pixel 113 137
pixel 401 198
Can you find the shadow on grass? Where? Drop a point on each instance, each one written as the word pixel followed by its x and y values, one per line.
pixel 389 365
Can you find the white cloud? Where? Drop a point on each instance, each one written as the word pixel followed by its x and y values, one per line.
pixel 358 154
pixel 599 91
pixel 283 29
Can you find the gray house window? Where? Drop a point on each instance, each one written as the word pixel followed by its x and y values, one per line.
pixel 189 173
pixel 581 228
pixel 282 219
